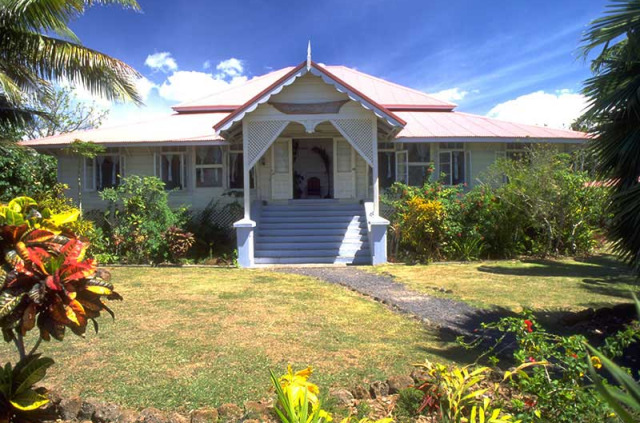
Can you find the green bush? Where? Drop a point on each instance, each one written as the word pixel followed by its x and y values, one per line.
pixel 25 172
pixel 212 240
pixel 542 205
pixel 552 380
pixel 137 219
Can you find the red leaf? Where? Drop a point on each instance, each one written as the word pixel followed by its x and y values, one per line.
pixel 37 236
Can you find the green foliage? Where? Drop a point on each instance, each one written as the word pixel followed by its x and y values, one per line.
pixel 624 398
pixel 137 219
pixel 614 114
pixel 38 46
pixel 552 379
pixel 47 282
pixel 211 238
pixel 25 172
pixel 178 243
pixel 542 205
pixel 459 394
pixel 408 403
pixel 18 399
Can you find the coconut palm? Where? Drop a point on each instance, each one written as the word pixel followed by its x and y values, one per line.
pixel 38 47
pixel 614 109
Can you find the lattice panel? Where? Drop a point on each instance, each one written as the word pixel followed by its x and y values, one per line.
pixel 359 132
pixel 260 135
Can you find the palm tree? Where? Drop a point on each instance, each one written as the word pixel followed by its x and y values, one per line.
pixel 614 109
pixel 38 47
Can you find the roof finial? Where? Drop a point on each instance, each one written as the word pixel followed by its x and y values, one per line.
pixel 309 55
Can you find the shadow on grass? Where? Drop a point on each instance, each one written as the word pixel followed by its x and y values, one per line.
pixel 601 274
pixel 553 321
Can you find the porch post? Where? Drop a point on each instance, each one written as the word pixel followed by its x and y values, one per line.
pixel 374 170
pixel 245 227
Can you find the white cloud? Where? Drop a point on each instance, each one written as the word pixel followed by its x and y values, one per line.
pixel 189 85
pixel 144 87
pixel 556 110
pixel 451 94
pixel 161 62
pixel 230 68
pixel 206 64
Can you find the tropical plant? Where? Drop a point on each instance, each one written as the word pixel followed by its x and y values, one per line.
pixel 614 111
pixel 459 394
pixel 137 218
pixel 25 172
pixel 45 282
pixel 179 242
pixel 623 399
pixel 297 398
pixel 37 46
pixel 18 399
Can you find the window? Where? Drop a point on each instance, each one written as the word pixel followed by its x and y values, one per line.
pixel 418 163
pixel 171 167
pixel 517 150
pixel 103 171
pixel 236 169
pixel 452 162
pixel 386 165
pixel 209 166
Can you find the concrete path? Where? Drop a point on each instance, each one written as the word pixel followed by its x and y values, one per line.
pixel 441 312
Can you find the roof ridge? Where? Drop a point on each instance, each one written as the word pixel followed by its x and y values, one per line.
pixel 394 84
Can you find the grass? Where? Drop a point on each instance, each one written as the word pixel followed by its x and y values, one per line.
pixel 187 338
pixel 536 284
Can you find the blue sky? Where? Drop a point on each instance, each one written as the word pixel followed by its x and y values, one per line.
pixel 513 59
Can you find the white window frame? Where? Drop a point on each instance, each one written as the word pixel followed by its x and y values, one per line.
pixel 209 166
pixel 447 149
pixel 157 165
pixel 416 164
pixel 93 186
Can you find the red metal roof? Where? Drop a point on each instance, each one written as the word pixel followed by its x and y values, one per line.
pixel 387 94
pixel 423 117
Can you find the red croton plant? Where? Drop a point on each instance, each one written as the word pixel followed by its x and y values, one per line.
pixel 45 282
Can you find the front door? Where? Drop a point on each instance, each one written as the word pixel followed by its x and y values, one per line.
pixel 281 180
pixel 344 180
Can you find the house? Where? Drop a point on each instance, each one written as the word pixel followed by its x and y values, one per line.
pixel 309 149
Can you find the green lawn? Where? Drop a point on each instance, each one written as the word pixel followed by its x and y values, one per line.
pixel 185 338
pixel 536 284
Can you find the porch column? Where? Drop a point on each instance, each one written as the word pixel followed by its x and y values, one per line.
pixel 245 227
pixel 374 170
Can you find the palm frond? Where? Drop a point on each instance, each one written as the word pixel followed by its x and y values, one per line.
pixel 621 17
pixel 54 59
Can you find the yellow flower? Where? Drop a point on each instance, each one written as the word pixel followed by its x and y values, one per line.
pixel 597 364
pixel 295 386
pixel 324 415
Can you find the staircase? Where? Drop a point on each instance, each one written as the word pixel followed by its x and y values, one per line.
pixel 312 231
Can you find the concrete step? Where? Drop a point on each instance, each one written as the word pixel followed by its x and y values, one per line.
pixel 311 245
pixel 333 252
pixel 294 218
pixel 306 231
pixel 313 260
pixel 317 225
pixel 279 238
pixel 308 207
pixel 314 213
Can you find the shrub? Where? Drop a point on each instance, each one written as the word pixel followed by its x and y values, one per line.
pixel 25 172
pixel 137 219
pixel 211 238
pixel 178 242
pixel 45 282
pixel 552 380
pixel 542 205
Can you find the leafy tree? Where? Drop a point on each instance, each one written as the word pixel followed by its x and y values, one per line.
pixel 25 172
pixel 37 46
pixel 64 113
pixel 614 110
